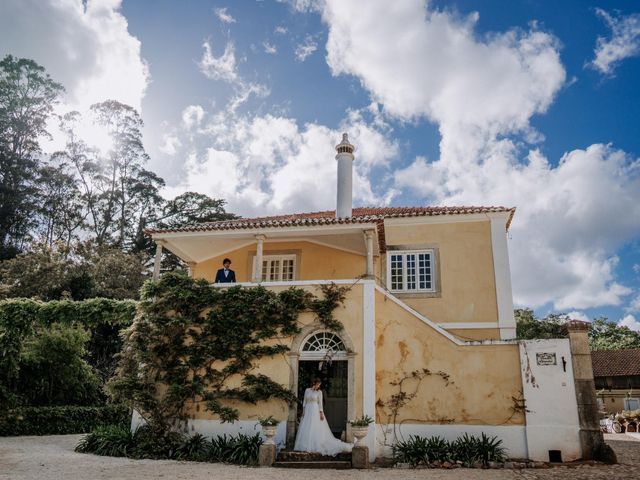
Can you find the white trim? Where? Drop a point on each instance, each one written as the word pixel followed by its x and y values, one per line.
pixel 295 283
pixel 321 355
pixel 369 362
pixel 439 329
pixel 432 265
pixel 468 325
pixel 251 232
pixel 504 296
pixel 450 218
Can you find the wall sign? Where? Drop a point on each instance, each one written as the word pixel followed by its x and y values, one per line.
pixel 545 358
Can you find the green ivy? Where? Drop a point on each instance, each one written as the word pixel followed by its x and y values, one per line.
pixel 189 340
pixel 61 420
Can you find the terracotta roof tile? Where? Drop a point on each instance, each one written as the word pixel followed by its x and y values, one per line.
pixel 360 215
pixel 615 363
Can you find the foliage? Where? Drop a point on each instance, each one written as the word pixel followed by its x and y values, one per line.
pixel 109 440
pixel 61 420
pixel 189 341
pixel 20 318
pixel 324 307
pixel 269 421
pixel 27 98
pixel 53 371
pixel 363 421
pixel 603 334
pixel 79 272
pixel 467 449
pixel 528 326
pixel 118 441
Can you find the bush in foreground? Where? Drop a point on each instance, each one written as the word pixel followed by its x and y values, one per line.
pixel 146 443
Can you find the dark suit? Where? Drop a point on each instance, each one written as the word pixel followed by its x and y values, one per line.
pixel 221 278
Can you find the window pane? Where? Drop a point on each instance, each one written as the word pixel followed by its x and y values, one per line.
pixel 424 271
pixel 265 264
pixel 411 271
pixel 287 269
pixel 274 271
pixel 396 272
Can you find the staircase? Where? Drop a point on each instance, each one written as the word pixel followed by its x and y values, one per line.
pixel 291 459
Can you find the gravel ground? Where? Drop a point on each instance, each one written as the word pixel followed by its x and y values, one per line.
pixel 52 457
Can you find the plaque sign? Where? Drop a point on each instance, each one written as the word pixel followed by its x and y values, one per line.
pixel 544 358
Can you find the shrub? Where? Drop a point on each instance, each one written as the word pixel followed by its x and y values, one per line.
pixel 111 441
pixel 467 449
pixel 61 420
pixel 148 443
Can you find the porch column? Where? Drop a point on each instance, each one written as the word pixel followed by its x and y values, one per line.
pixel 368 236
pixel 158 259
pixel 190 266
pixel 257 273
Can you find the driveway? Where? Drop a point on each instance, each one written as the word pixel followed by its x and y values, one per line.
pixel 52 457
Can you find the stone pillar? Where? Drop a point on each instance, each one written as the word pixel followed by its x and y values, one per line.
pixel 267 455
pixel 591 439
pixel 157 260
pixel 360 456
pixel 368 236
pixel 257 274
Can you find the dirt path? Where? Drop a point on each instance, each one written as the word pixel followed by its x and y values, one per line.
pixel 53 458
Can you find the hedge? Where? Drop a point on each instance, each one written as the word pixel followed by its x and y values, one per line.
pixel 62 420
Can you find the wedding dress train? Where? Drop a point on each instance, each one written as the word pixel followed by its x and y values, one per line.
pixel 314 434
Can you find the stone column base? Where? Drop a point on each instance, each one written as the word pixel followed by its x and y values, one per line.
pixel 360 456
pixel 266 455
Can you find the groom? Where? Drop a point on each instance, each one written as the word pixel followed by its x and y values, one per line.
pixel 225 274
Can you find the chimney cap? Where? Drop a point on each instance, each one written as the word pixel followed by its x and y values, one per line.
pixel 344 146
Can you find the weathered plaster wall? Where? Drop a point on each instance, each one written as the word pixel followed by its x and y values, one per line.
pixel 278 368
pixel 315 262
pixel 476 333
pixel 483 379
pixel 467 280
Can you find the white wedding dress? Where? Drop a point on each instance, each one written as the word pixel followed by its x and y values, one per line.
pixel 314 434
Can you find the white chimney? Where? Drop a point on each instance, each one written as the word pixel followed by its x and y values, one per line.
pixel 345 174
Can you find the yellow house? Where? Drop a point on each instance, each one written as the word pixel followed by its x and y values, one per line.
pixel 429 317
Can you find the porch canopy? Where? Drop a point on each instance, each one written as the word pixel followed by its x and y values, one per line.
pixel 198 243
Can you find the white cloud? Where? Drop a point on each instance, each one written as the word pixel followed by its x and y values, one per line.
pixel 192 115
pixel 634 305
pixel 575 315
pixel 219 68
pixel 623 43
pixel 271 164
pixel 84 45
pixel 280 30
pixel 630 322
pixel 482 91
pixel 636 267
pixel 170 144
pixel 269 48
pixel 224 16
pixel 306 48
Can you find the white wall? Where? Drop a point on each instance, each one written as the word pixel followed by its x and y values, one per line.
pixel 552 413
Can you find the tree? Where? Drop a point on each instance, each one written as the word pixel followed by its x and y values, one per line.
pixel 603 334
pixel 77 272
pixel 27 97
pixel 606 335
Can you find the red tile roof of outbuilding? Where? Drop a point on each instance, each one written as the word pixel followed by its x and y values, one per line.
pixel 616 363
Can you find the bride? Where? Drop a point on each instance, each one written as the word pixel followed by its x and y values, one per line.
pixel 314 434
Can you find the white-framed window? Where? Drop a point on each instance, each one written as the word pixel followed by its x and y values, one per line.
pixel 411 271
pixel 278 268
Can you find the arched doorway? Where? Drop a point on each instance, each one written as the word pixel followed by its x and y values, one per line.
pixel 318 352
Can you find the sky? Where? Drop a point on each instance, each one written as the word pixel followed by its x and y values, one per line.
pixel 530 103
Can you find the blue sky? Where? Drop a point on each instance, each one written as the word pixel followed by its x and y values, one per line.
pixel 526 103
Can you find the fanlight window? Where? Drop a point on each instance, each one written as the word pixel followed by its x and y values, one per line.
pixel 324 342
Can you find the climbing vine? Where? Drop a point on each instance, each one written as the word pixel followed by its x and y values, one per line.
pixel 189 343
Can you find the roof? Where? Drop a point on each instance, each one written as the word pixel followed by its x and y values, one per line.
pixel 616 363
pixel 328 217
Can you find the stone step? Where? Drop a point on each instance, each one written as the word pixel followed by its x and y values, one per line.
pixel 323 464
pixel 292 456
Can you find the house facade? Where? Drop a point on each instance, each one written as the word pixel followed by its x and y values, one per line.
pixel 617 379
pixel 428 319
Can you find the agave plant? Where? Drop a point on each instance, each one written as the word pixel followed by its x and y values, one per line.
pixel 112 441
pixel 195 448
